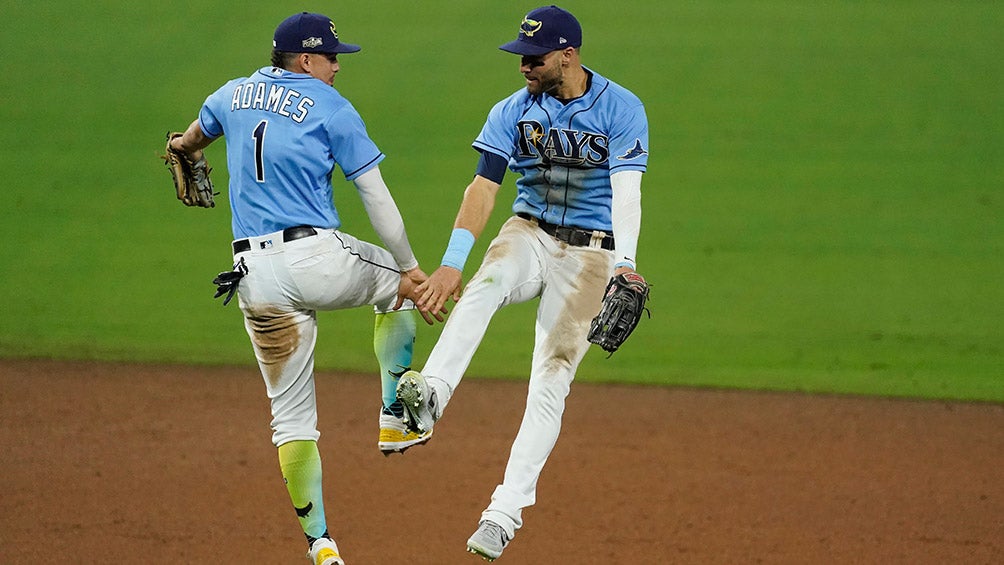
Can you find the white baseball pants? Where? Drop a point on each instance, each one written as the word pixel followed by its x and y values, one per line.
pixel 286 283
pixel 523 263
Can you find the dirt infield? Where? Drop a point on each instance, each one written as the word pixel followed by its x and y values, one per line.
pixel 109 463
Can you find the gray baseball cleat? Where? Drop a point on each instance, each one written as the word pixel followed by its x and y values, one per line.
pixel 488 541
pixel 419 401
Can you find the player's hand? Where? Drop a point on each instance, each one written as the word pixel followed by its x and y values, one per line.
pixel 444 284
pixel 408 290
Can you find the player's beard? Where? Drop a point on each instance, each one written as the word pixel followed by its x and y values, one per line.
pixel 547 82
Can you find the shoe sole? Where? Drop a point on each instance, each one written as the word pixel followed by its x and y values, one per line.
pixel 411 393
pixel 482 553
pixel 389 449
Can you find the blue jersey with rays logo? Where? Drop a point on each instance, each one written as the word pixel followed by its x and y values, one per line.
pixel 285 133
pixel 566 152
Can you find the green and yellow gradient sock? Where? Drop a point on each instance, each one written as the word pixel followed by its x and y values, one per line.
pixel 393 342
pixel 301 469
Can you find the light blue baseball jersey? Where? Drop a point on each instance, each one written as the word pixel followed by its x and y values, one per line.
pixel 565 153
pixel 285 133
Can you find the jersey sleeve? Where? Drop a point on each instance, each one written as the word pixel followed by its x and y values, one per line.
pixel 498 136
pixel 213 108
pixel 351 146
pixel 628 140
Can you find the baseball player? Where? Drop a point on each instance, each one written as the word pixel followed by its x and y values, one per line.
pixel 579 143
pixel 286 129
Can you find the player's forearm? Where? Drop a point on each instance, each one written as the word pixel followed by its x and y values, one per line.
pixel 476 209
pixel 192 140
pixel 385 217
pixel 625 214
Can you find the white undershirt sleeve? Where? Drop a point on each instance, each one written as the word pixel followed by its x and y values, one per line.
pixel 385 217
pixel 625 215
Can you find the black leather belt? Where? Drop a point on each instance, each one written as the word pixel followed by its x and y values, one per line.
pixel 288 234
pixel 578 237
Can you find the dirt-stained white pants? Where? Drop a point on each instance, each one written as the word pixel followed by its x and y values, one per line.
pixel 286 284
pixel 523 263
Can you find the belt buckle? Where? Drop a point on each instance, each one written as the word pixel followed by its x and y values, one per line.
pixel 566 234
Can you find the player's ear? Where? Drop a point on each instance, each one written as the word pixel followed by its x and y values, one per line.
pixel 303 60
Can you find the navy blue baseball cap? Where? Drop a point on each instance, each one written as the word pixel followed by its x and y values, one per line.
pixel 545 29
pixel 309 33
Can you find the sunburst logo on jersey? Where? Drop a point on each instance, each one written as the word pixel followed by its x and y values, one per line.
pixel 536 134
pixel 529 27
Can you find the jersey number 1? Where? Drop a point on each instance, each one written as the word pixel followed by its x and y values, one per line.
pixel 259 148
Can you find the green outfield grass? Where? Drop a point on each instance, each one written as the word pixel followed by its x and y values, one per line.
pixel 822 212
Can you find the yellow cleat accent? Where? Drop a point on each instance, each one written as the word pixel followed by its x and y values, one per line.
pixel 325 554
pixel 396 437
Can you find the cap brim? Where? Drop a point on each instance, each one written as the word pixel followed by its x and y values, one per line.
pixel 525 48
pixel 346 48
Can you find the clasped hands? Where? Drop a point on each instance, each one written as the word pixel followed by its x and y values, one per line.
pixel 430 292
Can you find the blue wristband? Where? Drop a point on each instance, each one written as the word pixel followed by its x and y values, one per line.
pixel 461 243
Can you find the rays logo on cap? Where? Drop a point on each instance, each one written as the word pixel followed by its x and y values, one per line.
pixel 333 32
pixel 529 27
